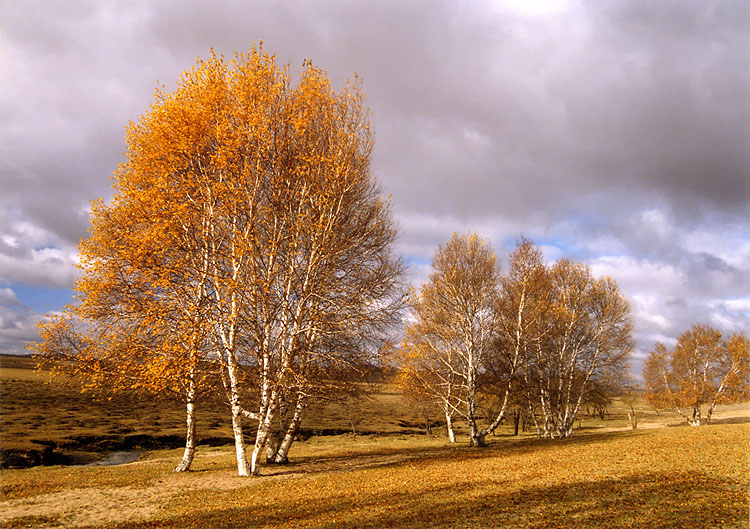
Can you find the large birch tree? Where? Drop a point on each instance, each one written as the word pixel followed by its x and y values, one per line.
pixel 254 199
pixel 584 337
pixel 454 327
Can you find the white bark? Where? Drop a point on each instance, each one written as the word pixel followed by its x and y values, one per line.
pixel 239 441
pixel 189 454
pixel 449 426
pixel 282 455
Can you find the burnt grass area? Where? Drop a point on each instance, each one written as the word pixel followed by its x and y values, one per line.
pixel 47 421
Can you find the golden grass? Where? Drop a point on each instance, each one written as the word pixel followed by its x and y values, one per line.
pixel 605 476
pixel 669 478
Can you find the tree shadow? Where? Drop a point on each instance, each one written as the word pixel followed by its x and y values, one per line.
pixel 369 458
pixel 654 500
pixel 730 420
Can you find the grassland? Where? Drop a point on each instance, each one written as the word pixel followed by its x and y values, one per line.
pixel 659 478
pixel 47 421
pixel 605 476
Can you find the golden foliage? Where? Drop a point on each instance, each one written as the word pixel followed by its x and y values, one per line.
pixel 245 227
pixel 701 369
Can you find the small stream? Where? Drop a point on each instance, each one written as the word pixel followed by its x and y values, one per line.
pixel 118 457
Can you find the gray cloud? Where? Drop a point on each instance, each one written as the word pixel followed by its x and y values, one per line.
pixel 613 132
pixel 17 323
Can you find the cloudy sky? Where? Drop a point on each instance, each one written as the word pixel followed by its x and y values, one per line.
pixel 616 133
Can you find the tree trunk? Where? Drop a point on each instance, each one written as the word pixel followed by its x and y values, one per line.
pixel 633 418
pixel 275 438
pixel 427 423
pixel 477 439
pixel 239 442
pixel 696 419
pixel 187 457
pixel 234 401
pixel 710 412
pixel 282 455
pixel 264 428
pixel 449 427
pixel 516 420
pixel 272 446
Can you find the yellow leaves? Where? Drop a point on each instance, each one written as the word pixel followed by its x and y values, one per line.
pixel 700 369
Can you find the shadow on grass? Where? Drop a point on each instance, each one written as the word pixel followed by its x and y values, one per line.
pixel 357 458
pixel 730 420
pixel 654 500
pixel 495 445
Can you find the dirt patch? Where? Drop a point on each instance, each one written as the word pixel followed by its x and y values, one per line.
pixel 82 507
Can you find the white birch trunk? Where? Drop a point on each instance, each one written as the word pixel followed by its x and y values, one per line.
pixel 449 426
pixel 264 427
pixel 189 454
pixel 239 441
pixel 282 455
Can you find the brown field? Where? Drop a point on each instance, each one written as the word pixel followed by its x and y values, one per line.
pixel 658 478
pixel 607 475
pixel 38 415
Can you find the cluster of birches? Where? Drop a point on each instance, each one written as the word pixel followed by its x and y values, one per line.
pixel 246 250
pixel 540 341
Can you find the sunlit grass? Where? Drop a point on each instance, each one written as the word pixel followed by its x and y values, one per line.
pixel 670 477
pixel 605 476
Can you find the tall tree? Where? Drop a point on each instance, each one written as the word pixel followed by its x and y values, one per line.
pixel 454 326
pixel 522 304
pixel 140 322
pixel 585 339
pixel 249 209
pixel 701 369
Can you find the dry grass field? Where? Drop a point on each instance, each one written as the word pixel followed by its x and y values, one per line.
pixel 659 478
pixel 607 475
pixel 49 421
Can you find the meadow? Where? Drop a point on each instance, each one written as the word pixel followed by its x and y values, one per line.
pixel 663 475
pixel 49 421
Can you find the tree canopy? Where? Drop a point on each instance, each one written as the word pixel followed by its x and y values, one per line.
pixel 702 369
pixel 247 232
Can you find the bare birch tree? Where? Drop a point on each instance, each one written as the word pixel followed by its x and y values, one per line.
pixel 586 336
pixel 522 302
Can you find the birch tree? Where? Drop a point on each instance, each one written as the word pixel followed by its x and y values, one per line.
pixel 522 303
pixel 254 202
pixel 585 337
pixel 139 324
pixel 454 325
pixel 701 370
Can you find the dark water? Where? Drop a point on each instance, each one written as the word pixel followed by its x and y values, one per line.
pixel 118 457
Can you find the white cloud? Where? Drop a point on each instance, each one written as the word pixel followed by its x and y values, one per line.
pixel 610 132
pixel 532 7
pixel 50 267
pixel 730 245
pixel 17 323
pixel 657 221
pixel 739 304
pixel 640 275
pixel 646 308
pixel 7 296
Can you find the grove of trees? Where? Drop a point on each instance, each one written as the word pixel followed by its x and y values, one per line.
pixel 247 252
pixel 540 336
pixel 246 245
pixel 702 369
